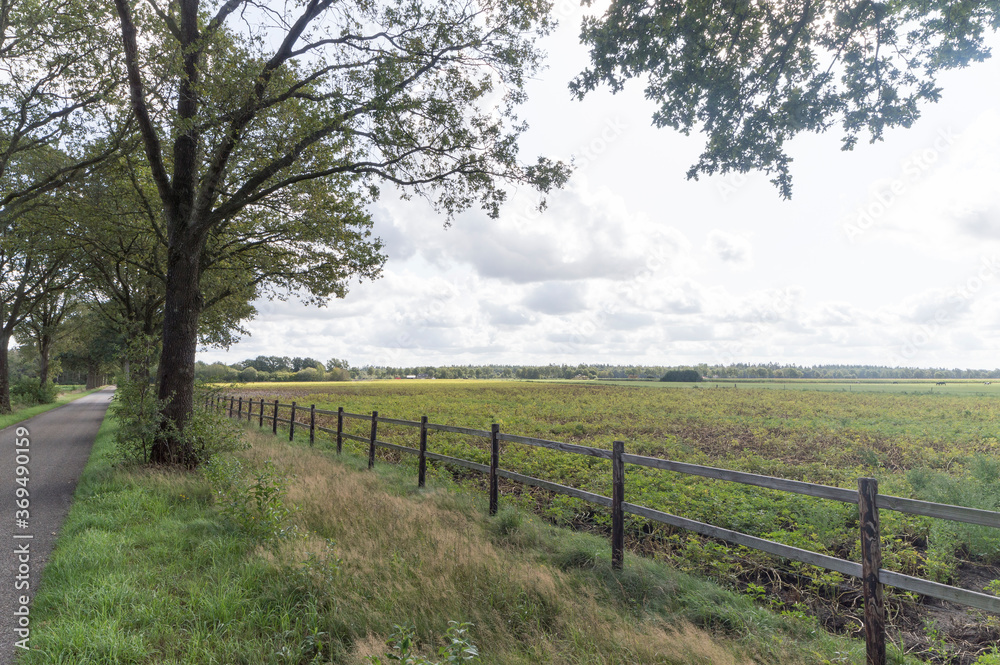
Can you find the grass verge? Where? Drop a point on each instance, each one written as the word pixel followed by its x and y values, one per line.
pixel 23 413
pixel 148 570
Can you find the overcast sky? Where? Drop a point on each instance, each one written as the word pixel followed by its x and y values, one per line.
pixel 888 255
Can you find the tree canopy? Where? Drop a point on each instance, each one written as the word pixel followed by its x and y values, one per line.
pixel 752 75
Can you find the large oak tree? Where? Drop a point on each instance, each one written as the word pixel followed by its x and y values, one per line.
pixel 751 75
pixel 250 111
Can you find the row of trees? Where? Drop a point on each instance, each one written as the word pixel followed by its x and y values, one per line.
pixel 165 165
pixel 339 370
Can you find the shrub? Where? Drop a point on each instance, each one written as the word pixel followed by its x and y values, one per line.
pixel 30 391
pixel 254 499
pixel 338 374
pixel 248 374
pixel 682 375
pixel 140 418
pixel 309 374
pixel 135 404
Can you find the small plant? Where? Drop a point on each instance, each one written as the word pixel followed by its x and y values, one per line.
pixel 135 404
pixel 252 499
pixel 991 657
pixel 459 648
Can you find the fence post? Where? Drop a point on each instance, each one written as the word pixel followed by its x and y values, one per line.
pixel 250 408
pixel 261 422
pixel 340 428
pixel 239 409
pixel 494 465
pixel 274 421
pixel 871 562
pixel 617 499
pixel 422 460
pixel 291 424
pixel 312 424
pixel 371 443
pixel 232 402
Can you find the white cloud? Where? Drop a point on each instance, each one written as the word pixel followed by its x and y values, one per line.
pixel 728 248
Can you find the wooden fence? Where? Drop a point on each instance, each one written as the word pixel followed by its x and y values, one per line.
pixel 867 497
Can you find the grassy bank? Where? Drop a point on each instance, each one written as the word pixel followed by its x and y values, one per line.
pixel 22 413
pixel 149 570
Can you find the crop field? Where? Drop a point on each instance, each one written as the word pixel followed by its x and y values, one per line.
pixel 920 443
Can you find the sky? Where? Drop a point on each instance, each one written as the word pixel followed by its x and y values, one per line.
pixel 885 255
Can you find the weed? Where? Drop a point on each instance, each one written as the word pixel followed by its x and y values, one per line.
pixel 459 648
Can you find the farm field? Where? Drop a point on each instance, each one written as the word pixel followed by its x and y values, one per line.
pixel 927 445
pixel 974 387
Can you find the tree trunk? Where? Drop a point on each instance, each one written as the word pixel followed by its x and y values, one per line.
pixel 182 308
pixel 94 377
pixel 44 351
pixel 4 375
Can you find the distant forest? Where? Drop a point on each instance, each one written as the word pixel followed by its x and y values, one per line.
pixel 282 368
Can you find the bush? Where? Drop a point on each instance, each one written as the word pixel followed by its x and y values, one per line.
pixel 248 374
pixel 254 499
pixel 682 375
pixel 140 418
pixel 309 374
pixel 135 404
pixel 30 391
pixel 338 374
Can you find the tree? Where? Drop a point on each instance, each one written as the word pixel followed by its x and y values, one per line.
pixel 94 346
pixel 33 269
pixel 58 117
pixel 45 325
pixel 301 114
pixel 682 375
pixel 752 75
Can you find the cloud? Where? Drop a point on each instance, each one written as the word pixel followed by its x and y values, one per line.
pixel 982 224
pixel 729 248
pixel 501 315
pixel 556 298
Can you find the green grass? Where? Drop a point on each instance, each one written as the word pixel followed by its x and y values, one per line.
pixel 148 570
pixel 22 413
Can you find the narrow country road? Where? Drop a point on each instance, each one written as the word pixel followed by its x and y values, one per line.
pixel 58 445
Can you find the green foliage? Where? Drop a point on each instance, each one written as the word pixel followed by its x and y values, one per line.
pixel 29 391
pixel 459 648
pixel 135 404
pixel 682 375
pixel 751 76
pixel 253 498
pixel 991 657
pixel 139 413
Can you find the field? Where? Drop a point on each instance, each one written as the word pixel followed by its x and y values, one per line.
pixel 922 443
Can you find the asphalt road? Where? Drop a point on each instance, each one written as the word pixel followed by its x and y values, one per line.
pixel 58 445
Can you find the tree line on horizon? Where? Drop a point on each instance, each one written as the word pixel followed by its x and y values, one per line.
pixel 283 368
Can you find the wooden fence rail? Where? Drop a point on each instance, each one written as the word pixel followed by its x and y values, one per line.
pixel 869 501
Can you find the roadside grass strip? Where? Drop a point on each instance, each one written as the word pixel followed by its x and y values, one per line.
pixel 150 568
pixel 23 413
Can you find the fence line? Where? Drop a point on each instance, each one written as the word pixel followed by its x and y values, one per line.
pixel 869 502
